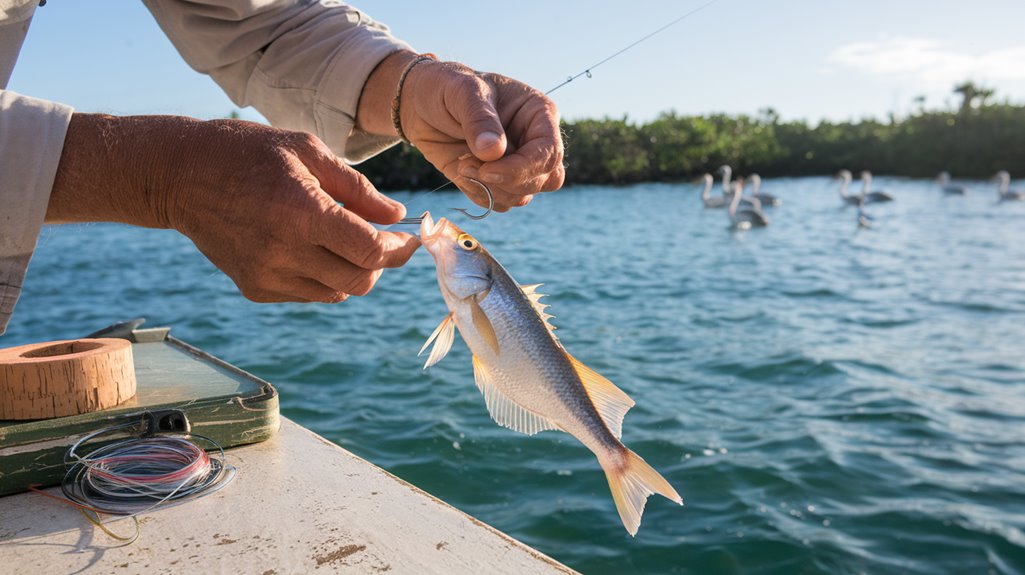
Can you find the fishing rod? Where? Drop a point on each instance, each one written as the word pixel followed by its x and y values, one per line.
pixel 586 72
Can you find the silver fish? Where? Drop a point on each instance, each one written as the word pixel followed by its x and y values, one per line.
pixel 529 381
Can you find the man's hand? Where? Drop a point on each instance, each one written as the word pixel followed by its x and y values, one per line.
pixel 472 125
pixel 261 203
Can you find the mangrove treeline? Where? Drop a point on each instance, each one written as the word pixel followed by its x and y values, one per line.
pixel 975 140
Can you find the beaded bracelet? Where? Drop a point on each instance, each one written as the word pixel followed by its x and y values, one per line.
pixel 397 101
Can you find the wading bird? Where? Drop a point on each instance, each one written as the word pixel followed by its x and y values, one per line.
pixel 727 173
pixel 845 180
pixel 872 197
pixel 765 199
pixel 950 189
pixel 747 218
pixel 706 194
pixel 1007 195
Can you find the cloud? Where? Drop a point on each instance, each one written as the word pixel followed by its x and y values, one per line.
pixel 930 62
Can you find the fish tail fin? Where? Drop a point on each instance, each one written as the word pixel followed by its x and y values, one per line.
pixel 631 481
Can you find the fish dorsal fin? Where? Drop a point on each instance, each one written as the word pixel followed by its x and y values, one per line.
pixel 535 299
pixel 531 288
pixel 611 402
pixel 445 333
pixel 505 411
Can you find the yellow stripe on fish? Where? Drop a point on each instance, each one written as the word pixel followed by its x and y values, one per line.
pixel 529 381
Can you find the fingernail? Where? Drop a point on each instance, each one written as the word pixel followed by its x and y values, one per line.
pixel 493 178
pixel 486 140
pixel 468 172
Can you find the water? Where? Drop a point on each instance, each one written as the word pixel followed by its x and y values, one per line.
pixel 826 400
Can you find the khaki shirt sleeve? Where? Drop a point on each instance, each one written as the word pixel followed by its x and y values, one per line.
pixel 31 139
pixel 300 64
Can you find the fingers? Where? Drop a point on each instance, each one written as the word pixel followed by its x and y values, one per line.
pixel 346 185
pixel 347 235
pixel 531 167
pixel 338 276
pixel 555 180
pixel 502 200
pixel 334 253
pixel 510 130
pixel 517 195
pixel 295 289
pixel 534 161
pixel 314 275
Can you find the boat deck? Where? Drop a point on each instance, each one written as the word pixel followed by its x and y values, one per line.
pixel 300 504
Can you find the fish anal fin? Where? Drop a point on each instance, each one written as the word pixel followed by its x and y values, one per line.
pixel 505 411
pixel 631 481
pixel 611 402
pixel 445 335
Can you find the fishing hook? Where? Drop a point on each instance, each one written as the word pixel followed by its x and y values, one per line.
pixel 491 207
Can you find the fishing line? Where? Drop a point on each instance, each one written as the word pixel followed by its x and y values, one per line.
pixel 138 474
pixel 588 71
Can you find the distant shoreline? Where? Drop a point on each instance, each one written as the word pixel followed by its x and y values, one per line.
pixel 973 142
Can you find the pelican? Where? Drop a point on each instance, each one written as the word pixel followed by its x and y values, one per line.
pixel 766 199
pixel 1005 194
pixel 727 173
pixel 845 177
pixel 950 189
pixel 706 194
pixel 747 218
pixel 871 197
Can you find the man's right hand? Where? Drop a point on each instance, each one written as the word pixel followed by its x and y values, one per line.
pixel 260 203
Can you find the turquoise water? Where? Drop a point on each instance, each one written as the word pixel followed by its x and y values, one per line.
pixel 826 399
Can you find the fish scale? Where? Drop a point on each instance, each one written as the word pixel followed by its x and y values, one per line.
pixel 529 354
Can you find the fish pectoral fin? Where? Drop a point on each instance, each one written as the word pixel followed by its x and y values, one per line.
pixel 445 334
pixel 505 411
pixel 611 402
pixel 483 324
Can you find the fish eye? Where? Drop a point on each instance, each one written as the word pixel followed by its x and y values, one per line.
pixel 467 242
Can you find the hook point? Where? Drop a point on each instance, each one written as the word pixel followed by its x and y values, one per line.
pixel 491 203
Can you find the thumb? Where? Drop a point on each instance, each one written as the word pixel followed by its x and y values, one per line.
pixel 482 127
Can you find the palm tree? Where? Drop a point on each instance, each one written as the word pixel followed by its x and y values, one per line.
pixel 970 93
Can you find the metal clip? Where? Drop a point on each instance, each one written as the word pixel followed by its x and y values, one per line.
pixel 165 421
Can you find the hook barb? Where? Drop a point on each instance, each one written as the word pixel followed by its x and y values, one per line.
pixel 491 203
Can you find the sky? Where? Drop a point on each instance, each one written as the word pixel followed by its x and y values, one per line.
pixel 807 59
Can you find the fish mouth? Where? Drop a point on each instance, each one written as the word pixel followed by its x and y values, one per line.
pixel 430 230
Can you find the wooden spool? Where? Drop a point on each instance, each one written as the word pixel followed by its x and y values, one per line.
pixel 60 378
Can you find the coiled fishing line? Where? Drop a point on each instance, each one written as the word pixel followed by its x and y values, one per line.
pixel 134 475
pixel 138 474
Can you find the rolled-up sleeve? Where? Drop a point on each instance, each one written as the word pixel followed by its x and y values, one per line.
pixel 302 64
pixel 31 139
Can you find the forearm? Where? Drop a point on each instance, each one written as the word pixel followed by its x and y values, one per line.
pixel 118 169
pixel 303 65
